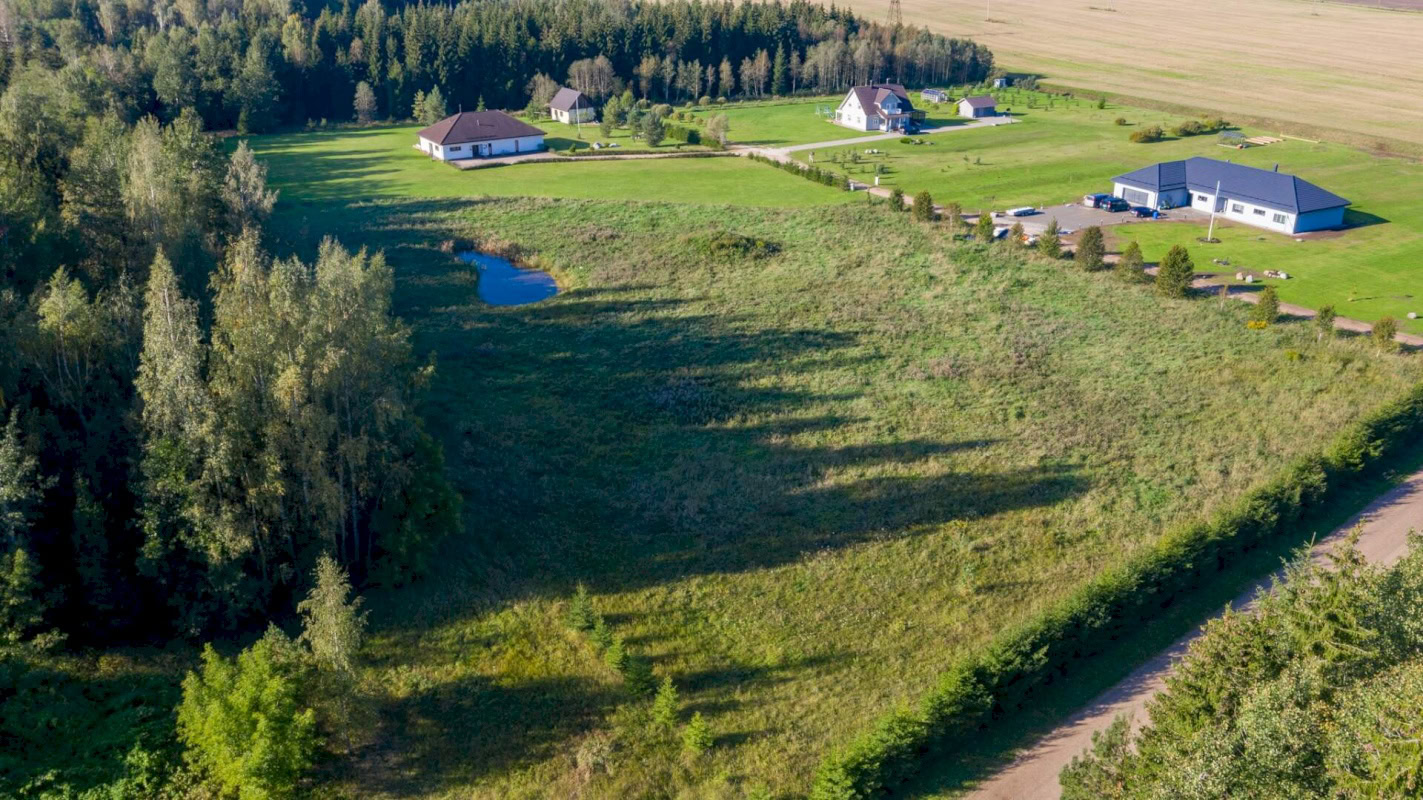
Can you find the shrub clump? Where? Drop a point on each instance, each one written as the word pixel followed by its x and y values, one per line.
pixel 729 244
pixel 1151 133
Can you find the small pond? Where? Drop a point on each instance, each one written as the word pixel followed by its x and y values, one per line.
pixel 503 284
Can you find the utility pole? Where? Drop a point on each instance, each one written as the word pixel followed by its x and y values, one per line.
pixel 896 13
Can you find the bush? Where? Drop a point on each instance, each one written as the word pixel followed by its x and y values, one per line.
pixel 1003 676
pixel 1383 332
pixel 1152 133
pixel 704 101
pixel 1324 322
pixel 1120 121
pixel 726 244
pixel 1174 274
pixel 1188 128
pixel 983 228
pixel 923 207
pixel 1050 243
pixel 1091 250
pixel 678 133
pixel 896 199
pixel 1268 309
pixel 241 722
pixel 1129 266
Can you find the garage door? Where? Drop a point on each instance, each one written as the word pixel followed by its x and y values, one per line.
pixel 1134 196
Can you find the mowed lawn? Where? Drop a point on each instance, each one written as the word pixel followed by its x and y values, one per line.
pixel 344 166
pixel 784 123
pixel 1056 155
pixel 1346 67
pixel 800 484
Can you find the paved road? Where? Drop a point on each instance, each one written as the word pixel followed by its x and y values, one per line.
pixel 1033 775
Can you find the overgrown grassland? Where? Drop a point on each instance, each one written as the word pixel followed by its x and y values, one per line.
pixel 1058 154
pixel 313 169
pixel 799 483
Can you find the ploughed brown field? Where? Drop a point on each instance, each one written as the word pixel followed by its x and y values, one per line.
pixel 1351 68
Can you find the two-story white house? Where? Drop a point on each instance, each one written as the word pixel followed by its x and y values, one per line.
pixel 1267 199
pixel 877 107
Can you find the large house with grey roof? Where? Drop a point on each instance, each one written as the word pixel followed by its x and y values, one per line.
pixel 1266 199
pixel 876 107
pixel 477 134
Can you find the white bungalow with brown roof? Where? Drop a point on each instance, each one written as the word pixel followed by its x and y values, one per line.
pixel 572 106
pixel 876 107
pixel 479 134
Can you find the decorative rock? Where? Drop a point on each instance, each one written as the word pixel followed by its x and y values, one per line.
pixel 1413 315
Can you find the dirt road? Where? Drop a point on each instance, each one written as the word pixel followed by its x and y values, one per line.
pixel 1033 775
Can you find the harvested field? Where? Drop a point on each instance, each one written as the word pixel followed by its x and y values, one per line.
pixel 1346 71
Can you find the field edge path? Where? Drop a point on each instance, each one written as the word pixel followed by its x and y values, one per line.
pixel 1033 775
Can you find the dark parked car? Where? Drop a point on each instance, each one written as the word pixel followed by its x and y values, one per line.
pixel 1114 204
pixel 1142 211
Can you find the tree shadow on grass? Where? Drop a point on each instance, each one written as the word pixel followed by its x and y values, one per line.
pixel 626 436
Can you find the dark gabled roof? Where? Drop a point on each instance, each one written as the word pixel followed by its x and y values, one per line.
pixel 980 101
pixel 568 99
pixel 871 96
pixel 1258 186
pixel 477 126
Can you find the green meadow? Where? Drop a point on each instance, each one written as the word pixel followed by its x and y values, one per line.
pixel 798 479
pixel 1057 154
pixel 313 169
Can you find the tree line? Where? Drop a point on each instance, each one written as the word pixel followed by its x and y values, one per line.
pixel 1317 693
pixel 254 65
pixel 186 422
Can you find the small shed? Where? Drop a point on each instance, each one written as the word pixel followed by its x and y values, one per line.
pixel 572 106
pixel 978 106
pixel 1002 83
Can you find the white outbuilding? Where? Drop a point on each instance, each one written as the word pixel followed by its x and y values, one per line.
pixel 572 106
pixel 479 134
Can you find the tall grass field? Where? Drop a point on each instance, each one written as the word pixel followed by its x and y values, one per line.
pixel 799 458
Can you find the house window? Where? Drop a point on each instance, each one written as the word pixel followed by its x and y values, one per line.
pixel 1200 198
pixel 1259 212
pixel 1281 219
pixel 1237 208
pixel 455 148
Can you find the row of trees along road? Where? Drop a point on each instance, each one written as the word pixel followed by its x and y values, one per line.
pixel 255 65
pixel 186 422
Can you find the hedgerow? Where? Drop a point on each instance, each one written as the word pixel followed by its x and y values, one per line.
pixel 1002 678
pixel 810 173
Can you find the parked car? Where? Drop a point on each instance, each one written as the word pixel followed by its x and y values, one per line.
pixel 1142 211
pixel 1025 211
pixel 1094 200
pixel 1001 233
pixel 1113 204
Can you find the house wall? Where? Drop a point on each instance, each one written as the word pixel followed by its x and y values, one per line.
pixel 1173 198
pixel 1323 219
pixel 1246 212
pixel 851 115
pixel 965 110
pixel 497 147
pixel 575 116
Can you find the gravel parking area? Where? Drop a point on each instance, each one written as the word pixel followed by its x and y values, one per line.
pixel 1076 217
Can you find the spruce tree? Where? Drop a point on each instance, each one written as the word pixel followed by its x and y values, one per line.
pixel 1129 266
pixel 780 76
pixel 1050 243
pixel 616 655
pixel 923 207
pixel 896 199
pixel 1015 235
pixel 1267 310
pixel 666 705
pixel 1173 275
pixel 580 610
pixel 1324 323
pixel 697 736
pixel 983 229
pixel 1090 249
pixel 653 131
